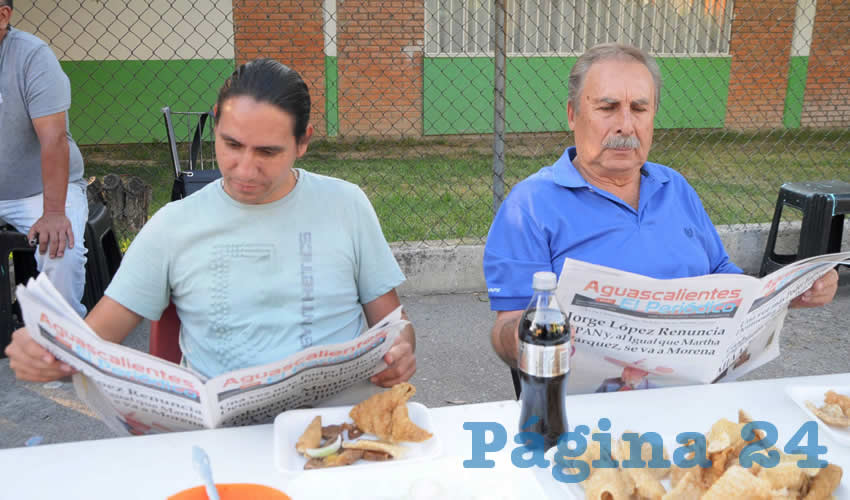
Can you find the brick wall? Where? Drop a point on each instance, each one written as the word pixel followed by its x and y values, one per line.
pixel 827 99
pixel 379 49
pixel 761 49
pixel 289 31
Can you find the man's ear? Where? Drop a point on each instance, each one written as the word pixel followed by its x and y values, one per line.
pixel 305 141
pixel 571 112
pixel 5 17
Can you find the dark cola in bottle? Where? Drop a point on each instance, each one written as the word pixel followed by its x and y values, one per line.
pixel 544 362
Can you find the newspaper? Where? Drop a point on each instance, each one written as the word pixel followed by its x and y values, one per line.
pixel 634 332
pixel 136 393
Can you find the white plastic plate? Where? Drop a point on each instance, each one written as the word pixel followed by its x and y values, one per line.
pixel 290 425
pixel 814 393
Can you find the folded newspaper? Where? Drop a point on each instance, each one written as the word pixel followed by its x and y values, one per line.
pixel 136 393
pixel 634 332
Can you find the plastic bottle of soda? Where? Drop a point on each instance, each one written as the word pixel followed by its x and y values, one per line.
pixel 544 362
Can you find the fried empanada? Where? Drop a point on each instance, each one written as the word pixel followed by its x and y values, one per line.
pixel 403 429
pixel 385 415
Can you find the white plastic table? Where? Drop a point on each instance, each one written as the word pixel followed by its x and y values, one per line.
pixel 151 467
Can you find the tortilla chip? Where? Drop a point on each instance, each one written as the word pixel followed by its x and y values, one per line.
pixel 607 484
pixel 784 494
pixel 737 482
pixel 785 476
pixel 312 436
pixel 394 450
pixel 640 480
pixel 824 483
pixel 724 434
pixel 831 414
pixel 688 485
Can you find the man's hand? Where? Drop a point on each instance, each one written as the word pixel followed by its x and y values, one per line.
pixel 821 292
pixel 54 232
pixel 32 362
pixel 401 363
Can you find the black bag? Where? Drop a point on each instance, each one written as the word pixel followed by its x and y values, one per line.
pixel 192 180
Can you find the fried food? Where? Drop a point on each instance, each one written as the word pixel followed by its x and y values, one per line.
pixel 785 476
pixel 330 432
pixel 824 483
pixel 354 432
pixel 724 479
pixel 403 429
pixel 347 457
pixel 643 480
pixel 831 414
pixel 833 398
pixel 607 484
pixel 737 482
pixel 312 436
pixel 385 415
pixel 688 486
pixel 376 456
pixel 393 450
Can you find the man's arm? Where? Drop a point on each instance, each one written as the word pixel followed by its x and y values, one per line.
pixel 401 358
pixel 109 319
pixel 504 336
pixel 53 228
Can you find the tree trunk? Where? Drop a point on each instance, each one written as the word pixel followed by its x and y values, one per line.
pixel 126 196
pixel 137 199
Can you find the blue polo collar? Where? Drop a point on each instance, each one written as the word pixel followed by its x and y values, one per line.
pixel 566 174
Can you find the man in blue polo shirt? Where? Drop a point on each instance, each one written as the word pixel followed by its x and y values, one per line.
pixel 602 202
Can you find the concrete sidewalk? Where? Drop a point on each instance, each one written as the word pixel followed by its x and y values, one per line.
pixel 455 365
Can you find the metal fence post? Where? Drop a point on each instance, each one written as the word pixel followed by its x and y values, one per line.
pixel 499 108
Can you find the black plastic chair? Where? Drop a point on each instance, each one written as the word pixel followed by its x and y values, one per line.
pixel 823 205
pixel 15 247
pixel 102 261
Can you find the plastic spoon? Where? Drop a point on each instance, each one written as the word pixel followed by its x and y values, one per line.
pixel 202 466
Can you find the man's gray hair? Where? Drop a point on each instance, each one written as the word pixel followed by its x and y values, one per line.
pixel 607 52
pixel 7 3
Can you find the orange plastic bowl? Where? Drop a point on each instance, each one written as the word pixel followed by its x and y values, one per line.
pixel 233 492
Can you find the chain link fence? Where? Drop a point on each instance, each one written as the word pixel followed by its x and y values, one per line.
pixel 407 94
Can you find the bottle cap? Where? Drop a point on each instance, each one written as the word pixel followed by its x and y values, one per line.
pixel 544 280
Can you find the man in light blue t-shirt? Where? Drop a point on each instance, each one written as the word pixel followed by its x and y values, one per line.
pixel 264 262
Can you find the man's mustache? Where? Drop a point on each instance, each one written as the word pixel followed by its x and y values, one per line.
pixel 621 142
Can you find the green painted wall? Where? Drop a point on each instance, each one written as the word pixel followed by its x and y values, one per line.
pixel 458 94
pixel 797 72
pixel 116 102
pixel 331 96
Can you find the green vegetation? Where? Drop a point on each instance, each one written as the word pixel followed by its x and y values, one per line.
pixel 440 188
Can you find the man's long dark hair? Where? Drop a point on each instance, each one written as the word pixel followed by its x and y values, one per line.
pixel 267 80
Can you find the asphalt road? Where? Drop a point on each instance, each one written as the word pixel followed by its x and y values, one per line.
pixel 455 365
